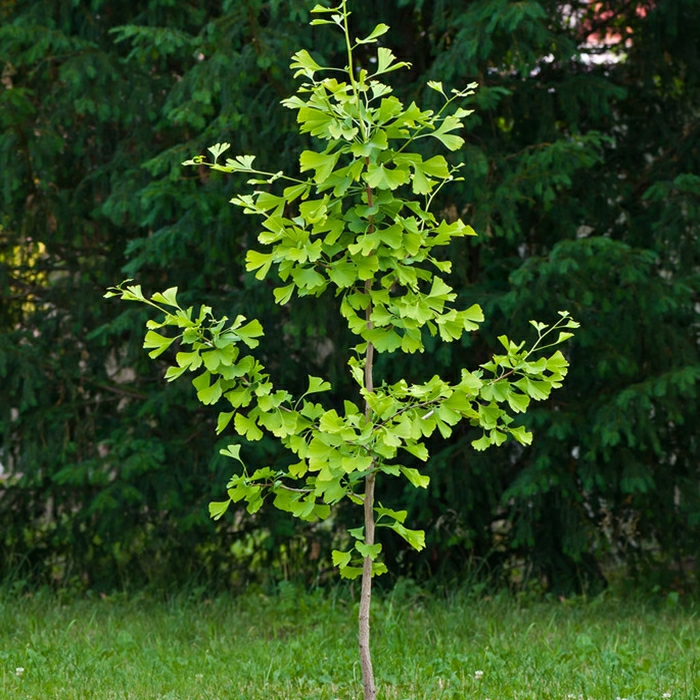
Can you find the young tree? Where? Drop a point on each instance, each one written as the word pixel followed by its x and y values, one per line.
pixel 360 225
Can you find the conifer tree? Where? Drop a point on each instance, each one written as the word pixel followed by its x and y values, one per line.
pixel 582 157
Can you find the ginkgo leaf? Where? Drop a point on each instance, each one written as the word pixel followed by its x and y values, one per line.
pixel 378 31
pixel 218 508
pixel 303 61
pixel 169 296
pixel 316 384
pixel 158 342
pixel 437 86
pixel 384 178
pixel 321 163
pixel 217 149
pixel 482 443
pixel 386 61
pixel 415 477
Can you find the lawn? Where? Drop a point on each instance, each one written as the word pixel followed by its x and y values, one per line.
pixel 302 647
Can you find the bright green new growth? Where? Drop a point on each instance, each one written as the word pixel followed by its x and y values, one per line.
pixel 361 224
pixel 353 228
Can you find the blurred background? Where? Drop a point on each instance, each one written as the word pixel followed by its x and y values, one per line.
pixel 581 177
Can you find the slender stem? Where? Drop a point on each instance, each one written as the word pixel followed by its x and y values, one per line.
pixel 369 359
pixel 370 692
pixel 351 72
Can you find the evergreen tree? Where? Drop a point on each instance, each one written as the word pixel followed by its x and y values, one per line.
pixel 580 177
pixel 585 195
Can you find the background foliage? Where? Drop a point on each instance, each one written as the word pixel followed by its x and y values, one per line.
pixel 580 177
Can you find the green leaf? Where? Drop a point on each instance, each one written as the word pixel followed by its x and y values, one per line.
pixel 368 550
pixel 216 150
pixel 258 261
pixel 350 572
pixel 169 296
pixel 474 313
pixel 189 360
pixel 470 383
pixel 397 515
pixel 557 363
pixel 209 395
pixel 340 559
pixel 311 410
pixel 537 390
pixel 489 415
pixel 417 449
pixel 521 435
pixel 437 86
pixel 306 278
pixel 420 183
pixel 246 427
pixel 482 443
pixel 322 163
pixel 173 373
pixel 498 438
pixel 157 341
pixel 302 60
pixel 384 340
pixel 437 167
pixel 218 357
pixel 518 402
pixel 453 143
pixel 378 568
pixel 295 191
pixel 232 451
pixel 255 502
pixel 450 141
pixel 223 420
pixel 357 463
pixel 242 164
pixel 343 274
pixel 378 31
pixel 283 294
pixel 218 508
pixel 392 236
pixel 385 61
pixel 357 532
pixel 316 385
pixel 380 177
pixel 416 538
pixel 250 332
pixel 415 477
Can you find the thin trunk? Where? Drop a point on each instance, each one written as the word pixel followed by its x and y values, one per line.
pixel 370 692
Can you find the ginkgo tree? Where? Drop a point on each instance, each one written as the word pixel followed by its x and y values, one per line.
pixel 356 221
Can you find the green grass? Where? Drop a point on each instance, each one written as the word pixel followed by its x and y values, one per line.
pixel 303 647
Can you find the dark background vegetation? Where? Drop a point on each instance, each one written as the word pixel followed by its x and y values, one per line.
pixel 581 177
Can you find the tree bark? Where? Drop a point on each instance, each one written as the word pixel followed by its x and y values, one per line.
pixel 370 692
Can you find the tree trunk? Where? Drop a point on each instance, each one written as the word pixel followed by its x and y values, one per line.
pixel 370 692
